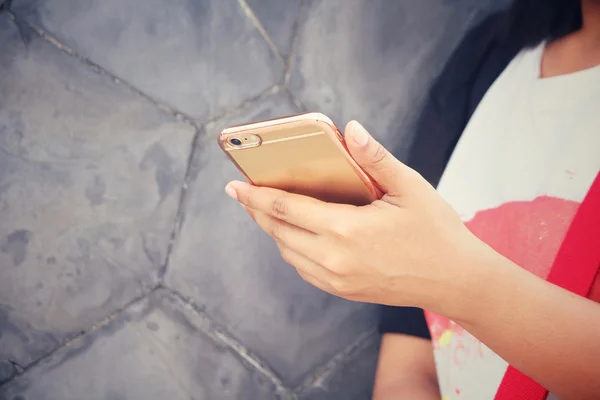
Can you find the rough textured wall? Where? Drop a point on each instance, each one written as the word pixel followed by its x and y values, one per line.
pixel 125 272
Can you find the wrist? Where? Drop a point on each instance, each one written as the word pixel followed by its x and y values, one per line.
pixel 476 278
pixel 491 281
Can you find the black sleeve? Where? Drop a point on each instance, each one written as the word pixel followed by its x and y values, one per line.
pixel 406 320
pixel 446 110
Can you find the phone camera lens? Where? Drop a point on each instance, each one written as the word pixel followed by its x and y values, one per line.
pixel 236 142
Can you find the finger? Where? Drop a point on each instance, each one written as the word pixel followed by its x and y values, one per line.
pixel 298 240
pixel 302 211
pixel 281 231
pixel 375 160
pixel 310 271
pixel 314 281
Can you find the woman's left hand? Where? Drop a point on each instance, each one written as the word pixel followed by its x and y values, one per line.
pixel 408 249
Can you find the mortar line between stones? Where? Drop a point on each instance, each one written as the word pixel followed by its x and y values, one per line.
pixel 289 61
pixel 220 335
pixel 187 181
pixel 99 324
pixel 261 29
pixel 323 372
pixel 246 103
pixel 104 72
pixel 299 105
pixel 180 212
pixel 17 367
pixel 164 107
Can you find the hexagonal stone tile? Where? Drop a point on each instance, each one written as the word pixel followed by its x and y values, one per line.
pixel 202 57
pixel 90 178
pixel 235 272
pixel 279 18
pixel 158 349
pixel 373 60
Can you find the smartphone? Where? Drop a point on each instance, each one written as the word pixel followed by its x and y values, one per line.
pixel 304 154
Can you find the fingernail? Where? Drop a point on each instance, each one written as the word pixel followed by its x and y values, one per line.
pixel 359 134
pixel 231 191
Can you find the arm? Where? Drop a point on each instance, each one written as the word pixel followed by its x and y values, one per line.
pixel 411 249
pixel 406 369
pixel 546 332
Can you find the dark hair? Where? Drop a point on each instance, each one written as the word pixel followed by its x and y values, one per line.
pixel 537 20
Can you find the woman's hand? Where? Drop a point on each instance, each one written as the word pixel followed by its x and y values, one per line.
pixel 409 248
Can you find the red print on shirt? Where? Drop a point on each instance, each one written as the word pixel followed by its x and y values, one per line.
pixel 529 233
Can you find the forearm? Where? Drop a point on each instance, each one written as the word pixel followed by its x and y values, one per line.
pixel 407 383
pixel 542 330
pixel 408 390
pixel 406 369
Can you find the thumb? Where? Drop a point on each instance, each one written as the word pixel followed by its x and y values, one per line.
pixel 375 160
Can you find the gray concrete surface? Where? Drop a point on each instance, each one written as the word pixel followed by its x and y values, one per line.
pixel 125 273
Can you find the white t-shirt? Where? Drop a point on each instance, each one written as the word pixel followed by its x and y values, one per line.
pixel 523 165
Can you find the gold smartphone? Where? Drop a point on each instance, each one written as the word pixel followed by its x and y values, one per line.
pixel 303 154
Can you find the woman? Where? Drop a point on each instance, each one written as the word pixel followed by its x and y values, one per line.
pixel 516 205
